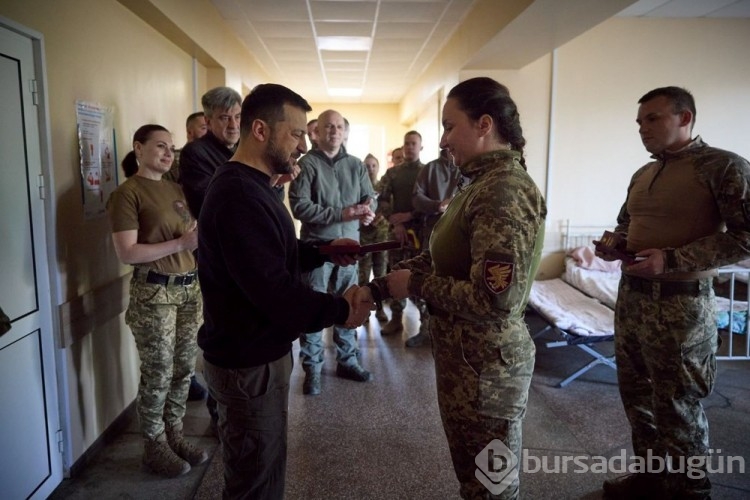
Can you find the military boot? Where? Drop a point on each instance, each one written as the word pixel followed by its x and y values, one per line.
pixel 188 452
pixel 159 458
pixel 421 338
pixel 393 326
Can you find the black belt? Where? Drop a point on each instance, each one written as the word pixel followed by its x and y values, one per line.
pixel 661 288
pixel 157 278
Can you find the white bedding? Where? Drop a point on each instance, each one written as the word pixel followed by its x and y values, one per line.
pixel 601 285
pixel 564 302
pixel 571 310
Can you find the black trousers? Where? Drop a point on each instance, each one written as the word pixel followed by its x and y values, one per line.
pixel 253 407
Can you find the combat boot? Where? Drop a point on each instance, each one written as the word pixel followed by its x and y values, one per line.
pixel 421 338
pixel 393 326
pixel 183 448
pixel 159 458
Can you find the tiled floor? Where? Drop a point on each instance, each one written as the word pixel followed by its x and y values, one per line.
pixel 384 440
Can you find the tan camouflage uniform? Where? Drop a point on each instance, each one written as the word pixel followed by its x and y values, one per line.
pixel 476 278
pixel 695 204
pixel 164 320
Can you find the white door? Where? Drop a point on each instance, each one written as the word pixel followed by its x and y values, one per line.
pixel 30 461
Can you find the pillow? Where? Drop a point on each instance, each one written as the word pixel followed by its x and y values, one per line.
pixel 587 259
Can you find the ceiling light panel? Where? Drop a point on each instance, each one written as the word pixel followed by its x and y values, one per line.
pixel 335 55
pixel 328 28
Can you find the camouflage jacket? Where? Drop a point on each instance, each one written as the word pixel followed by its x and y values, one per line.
pixel 713 195
pixel 486 248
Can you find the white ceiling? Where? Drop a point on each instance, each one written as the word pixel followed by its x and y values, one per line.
pixel 406 35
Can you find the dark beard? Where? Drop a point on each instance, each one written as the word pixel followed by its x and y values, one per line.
pixel 275 159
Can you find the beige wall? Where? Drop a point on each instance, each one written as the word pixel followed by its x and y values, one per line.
pixel 584 161
pixel 382 119
pixel 103 52
pixel 601 76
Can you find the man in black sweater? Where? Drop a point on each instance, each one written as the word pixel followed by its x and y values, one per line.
pixel 254 303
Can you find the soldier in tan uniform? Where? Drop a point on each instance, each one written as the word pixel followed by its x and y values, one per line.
pixel 152 229
pixel 686 213
pixel 476 276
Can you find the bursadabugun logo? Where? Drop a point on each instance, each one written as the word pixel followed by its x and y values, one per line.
pixel 497 467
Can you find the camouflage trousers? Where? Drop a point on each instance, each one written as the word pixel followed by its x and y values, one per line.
pixel 164 321
pixel 483 376
pixel 665 347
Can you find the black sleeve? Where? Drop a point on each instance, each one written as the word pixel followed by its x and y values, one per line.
pixel 196 170
pixel 262 271
pixel 309 256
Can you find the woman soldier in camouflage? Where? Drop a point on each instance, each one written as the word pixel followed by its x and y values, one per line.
pixel 152 229
pixel 483 254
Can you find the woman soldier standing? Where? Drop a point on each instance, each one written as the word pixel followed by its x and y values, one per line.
pixel 152 229
pixel 483 254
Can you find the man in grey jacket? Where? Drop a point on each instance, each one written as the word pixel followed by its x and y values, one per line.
pixel 331 196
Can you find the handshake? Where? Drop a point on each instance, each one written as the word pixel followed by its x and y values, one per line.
pixel 361 303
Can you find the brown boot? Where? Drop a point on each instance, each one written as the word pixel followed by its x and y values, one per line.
pixel 393 326
pixel 188 452
pixel 159 458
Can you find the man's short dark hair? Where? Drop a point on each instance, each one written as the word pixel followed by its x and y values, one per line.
pixel 266 102
pixel 680 98
pixel 193 116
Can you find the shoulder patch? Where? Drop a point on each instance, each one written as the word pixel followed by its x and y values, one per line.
pixel 497 275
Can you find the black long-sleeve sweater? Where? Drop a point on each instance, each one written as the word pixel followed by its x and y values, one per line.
pixel 249 265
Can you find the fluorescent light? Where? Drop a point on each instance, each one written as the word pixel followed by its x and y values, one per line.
pixel 344 43
pixel 344 92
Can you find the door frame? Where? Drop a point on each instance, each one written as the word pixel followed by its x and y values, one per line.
pixel 61 462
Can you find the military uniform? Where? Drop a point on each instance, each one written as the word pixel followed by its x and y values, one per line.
pixel 695 204
pixel 476 278
pixel 373 262
pixel 397 186
pixel 165 308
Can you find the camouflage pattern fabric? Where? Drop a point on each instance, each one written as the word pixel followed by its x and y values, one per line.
pixel 483 375
pixel 476 277
pixel 373 262
pixel 672 340
pixel 164 321
pixel 665 345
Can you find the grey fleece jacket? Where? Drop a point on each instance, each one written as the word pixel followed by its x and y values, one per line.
pixel 323 189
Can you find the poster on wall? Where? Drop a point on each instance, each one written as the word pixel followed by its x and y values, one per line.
pixel 96 145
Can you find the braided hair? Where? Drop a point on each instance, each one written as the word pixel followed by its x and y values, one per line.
pixel 484 96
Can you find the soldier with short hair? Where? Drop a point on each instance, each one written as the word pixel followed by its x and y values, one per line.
pixel 396 206
pixel 686 213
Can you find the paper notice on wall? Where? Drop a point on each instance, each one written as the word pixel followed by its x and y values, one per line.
pixel 96 145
